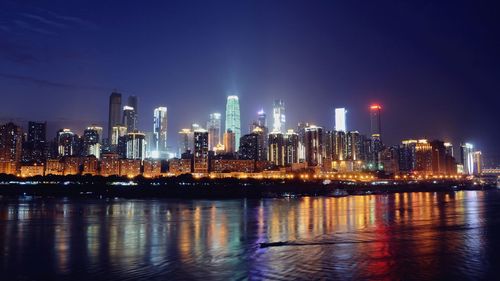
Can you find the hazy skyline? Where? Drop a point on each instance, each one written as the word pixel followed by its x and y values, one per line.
pixel 433 66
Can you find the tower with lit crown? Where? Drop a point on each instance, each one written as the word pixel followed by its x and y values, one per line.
pixel 233 118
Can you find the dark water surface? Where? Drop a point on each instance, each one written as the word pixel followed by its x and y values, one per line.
pixel 407 236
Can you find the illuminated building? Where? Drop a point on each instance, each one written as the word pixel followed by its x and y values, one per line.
pixel 92 141
pixel 467 158
pixel 10 148
pixel 115 104
pixel 185 140
pixel 179 166
pixel 214 130
pixel 314 145
pixel 152 168
pixel 200 164
pixel 279 118
pixel 340 120
pixel 160 133
pixel 34 149
pixel 71 165
pixel 276 149
pixel 54 167
pixel 132 102
pixel 340 147
pixel 262 118
pixel 229 141
pixel 301 131
pixel 66 143
pixel 136 147
pixel 329 146
pixel 250 148
pixel 116 132
pixel 232 165
pixel 90 165
pixel 439 163
pixel 32 170
pixel 130 167
pixel 449 149
pixel 291 147
pixel 376 131
pixel 353 146
pixel 478 162
pixel 129 119
pixel 110 164
pixel 233 119
pixel 416 156
pixel 389 160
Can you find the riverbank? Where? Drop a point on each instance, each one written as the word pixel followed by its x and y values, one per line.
pixel 228 188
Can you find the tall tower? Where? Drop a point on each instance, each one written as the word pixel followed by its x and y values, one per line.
pixel 261 118
pixel 279 116
pixel 129 119
pixel 214 130
pixel 132 102
pixel 200 151
pixel 467 158
pixel 314 145
pixel 340 119
pixel 375 121
pixel 160 133
pixel 115 104
pixel 10 148
pixel 233 118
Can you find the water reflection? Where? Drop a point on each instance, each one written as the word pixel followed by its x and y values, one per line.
pixel 401 236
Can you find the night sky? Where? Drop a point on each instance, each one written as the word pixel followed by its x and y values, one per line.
pixel 434 67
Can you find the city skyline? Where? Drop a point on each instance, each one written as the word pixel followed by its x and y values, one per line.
pixel 333 69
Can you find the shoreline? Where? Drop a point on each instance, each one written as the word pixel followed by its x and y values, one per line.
pixel 228 189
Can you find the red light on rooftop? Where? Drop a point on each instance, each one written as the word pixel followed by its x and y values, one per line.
pixel 375 106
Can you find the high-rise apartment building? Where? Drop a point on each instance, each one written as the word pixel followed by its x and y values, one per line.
pixel 314 145
pixel 200 164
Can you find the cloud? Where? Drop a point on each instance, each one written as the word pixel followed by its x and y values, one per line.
pixel 71 19
pixel 45 20
pixel 48 83
pixel 17 53
pixel 32 28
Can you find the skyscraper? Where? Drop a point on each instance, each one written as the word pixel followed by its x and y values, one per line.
pixel 10 148
pixel 314 145
pixel 276 148
pixel 91 141
pixel 375 121
pixel 233 118
pixel 115 104
pixel 250 147
pixel 262 118
pixel 279 119
pixel 160 133
pixel 376 138
pixel 136 146
pixel 229 141
pixel 340 119
pixel 185 141
pixel 36 142
pixel 66 142
pixel 132 102
pixel 200 151
pixel 214 130
pixel 291 147
pixel 467 158
pixel 129 119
